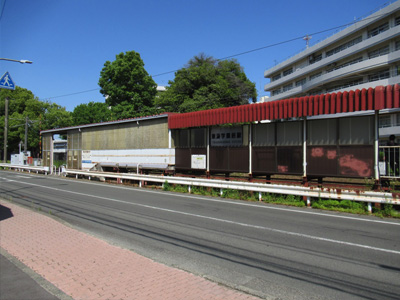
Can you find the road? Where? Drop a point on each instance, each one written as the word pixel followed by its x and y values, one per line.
pixel 278 252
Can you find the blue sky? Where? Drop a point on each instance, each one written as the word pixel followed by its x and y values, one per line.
pixel 69 41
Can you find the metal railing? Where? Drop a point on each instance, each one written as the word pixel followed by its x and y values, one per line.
pixel 307 192
pixel 389 157
pixel 28 168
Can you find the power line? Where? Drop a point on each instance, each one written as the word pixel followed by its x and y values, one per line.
pixel 241 53
pixel 2 9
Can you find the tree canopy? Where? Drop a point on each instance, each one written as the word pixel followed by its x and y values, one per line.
pixel 92 112
pixel 207 83
pixel 42 116
pixel 127 86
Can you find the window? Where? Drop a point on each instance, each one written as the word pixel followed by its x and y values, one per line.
pixel 276 92
pixel 397 21
pixel 322 132
pixel 301 82
pixel 345 85
pixel 315 75
pixel 264 135
pixel 276 77
pixel 289 134
pixel 344 46
pixel 314 58
pixel 385 121
pixel 379 52
pixel 384 74
pixel 398 119
pixel 397 70
pixel 356 131
pixel 287 72
pixel 349 63
pixel 397 46
pixel 183 138
pixel 378 30
pixel 287 87
pixel 198 138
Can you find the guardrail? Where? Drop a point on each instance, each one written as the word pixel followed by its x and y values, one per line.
pixel 307 192
pixel 44 170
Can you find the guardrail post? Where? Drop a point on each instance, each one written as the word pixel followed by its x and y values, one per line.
pixel 221 192
pixel 140 183
pixel 369 207
pixel 89 178
pixel 259 196
pixel 189 189
pixel 308 201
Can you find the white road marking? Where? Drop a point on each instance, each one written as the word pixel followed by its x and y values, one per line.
pixel 224 221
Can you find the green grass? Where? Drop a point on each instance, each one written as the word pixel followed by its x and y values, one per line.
pixel 347 206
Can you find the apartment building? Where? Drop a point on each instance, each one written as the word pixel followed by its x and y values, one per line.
pixel 365 54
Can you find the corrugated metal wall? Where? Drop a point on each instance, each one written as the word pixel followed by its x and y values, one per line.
pixel 46 148
pixel 74 153
pixel 147 134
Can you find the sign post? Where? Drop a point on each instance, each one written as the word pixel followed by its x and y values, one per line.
pixel 6 82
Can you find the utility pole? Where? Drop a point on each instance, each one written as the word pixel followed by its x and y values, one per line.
pixel 5 131
pixel 26 135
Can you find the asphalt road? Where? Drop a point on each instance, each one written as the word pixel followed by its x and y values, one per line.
pixel 276 251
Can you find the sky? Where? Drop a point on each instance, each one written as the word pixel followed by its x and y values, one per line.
pixel 70 40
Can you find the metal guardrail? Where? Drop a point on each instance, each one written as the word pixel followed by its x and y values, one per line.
pixel 26 167
pixel 308 192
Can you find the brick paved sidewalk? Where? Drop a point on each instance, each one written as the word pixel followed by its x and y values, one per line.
pixel 85 267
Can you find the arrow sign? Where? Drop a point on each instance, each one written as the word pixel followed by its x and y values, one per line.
pixel 6 82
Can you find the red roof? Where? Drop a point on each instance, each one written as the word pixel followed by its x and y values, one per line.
pixel 377 98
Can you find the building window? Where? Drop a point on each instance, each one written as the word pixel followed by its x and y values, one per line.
pixel 315 75
pixel 398 119
pixel 345 85
pixel 276 92
pixel 344 46
pixel 287 72
pixel 314 58
pixel 385 121
pixel 287 87
pixel 352 62
pixel 276 77
pixel 379 52
pixel 384 74
pixel 378 30
pixel 397 70
pixel 397 46
pixel 301 82
pixel 397 21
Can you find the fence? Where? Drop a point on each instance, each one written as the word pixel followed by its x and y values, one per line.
pixel 307 192
pixel 389 158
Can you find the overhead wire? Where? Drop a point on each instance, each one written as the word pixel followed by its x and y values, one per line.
pixel 238 54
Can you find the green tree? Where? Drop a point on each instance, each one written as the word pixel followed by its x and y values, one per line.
pixel 207 83
pixel 127 86
pixel 92 112
pixel 41 116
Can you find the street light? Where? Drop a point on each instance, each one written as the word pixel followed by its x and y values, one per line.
pixel 22 61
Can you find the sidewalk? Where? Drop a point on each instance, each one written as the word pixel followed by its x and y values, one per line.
pixel 84 267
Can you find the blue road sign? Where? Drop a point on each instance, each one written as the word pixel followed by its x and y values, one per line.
pixel 6 82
